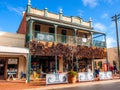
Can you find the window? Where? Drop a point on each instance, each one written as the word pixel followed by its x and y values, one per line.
pixel 51 30
pixel 64 36
pixel 37 29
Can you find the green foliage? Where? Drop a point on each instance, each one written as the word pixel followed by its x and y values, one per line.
pixel 72 73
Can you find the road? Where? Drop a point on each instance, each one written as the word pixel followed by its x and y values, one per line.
pixel 101 86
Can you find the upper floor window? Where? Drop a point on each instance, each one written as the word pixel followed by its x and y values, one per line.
pixel 51 30
pixel 63 32
pixel 37 27
pixel 84 39
pixel 84 35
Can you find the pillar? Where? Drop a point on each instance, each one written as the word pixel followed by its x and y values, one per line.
pixel 75 35
pixel 56 64
pixel 28 68
pixel 107 62
pixel 29 55
pixel 30 30
pixel 55 26
pixel 91 44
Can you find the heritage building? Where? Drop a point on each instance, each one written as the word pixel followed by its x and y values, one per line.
pixel 60 43
pixel 57 43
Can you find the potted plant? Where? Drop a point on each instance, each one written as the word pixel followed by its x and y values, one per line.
pixel 72 76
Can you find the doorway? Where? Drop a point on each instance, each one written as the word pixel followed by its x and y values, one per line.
pixel 2 68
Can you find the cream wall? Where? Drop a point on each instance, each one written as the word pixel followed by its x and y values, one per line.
pixel 22 65
pixel 13 40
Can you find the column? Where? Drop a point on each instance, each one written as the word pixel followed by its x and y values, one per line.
pixel 77 64
pixel 29 55
pixel 91 43
pixel 30 30
pixel 75 35
pixel 55 26
pixel 28 68
pixel 56 64
pixel 107 62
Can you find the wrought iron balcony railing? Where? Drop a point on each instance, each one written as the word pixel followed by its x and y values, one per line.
pixel 44 36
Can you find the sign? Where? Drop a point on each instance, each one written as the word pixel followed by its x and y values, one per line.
pixel 85 76
pixel 12 61
pixel 105 75
pixel 56 78
pixel 44 37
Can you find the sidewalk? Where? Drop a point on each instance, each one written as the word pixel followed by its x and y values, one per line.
pixel 60 86
pixel 39 84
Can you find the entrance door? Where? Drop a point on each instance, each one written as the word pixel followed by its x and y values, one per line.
pixel 2 68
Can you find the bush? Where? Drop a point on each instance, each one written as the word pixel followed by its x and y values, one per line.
pixel 72 73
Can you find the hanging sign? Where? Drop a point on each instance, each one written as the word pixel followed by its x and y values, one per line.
pixel 85 76
pixel 105 75
pixel 56 78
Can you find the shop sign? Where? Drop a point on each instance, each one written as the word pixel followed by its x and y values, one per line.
pixel 105 75
pixel 12 61
pixel 85 76
pixel 44 37
pixel 56 78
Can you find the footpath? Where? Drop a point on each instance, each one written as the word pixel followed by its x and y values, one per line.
pixel 61 86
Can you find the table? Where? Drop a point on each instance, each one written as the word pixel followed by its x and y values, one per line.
pixel 11 75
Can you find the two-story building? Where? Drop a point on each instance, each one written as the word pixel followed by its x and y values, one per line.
pixel 60 43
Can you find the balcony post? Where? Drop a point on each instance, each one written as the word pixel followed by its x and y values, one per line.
pixel 75 35
pixel 107 62
pixel 55 26
pixel 29 55
pixel 91 43
pixel 30 30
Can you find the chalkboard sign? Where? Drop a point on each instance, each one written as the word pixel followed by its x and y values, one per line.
pixel 85 76
pixel 105 75
pixel 56 78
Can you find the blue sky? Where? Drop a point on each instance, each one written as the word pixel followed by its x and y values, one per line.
pixel 100 11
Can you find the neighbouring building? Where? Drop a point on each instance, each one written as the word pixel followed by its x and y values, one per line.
pixel 60 43
pixel 13 55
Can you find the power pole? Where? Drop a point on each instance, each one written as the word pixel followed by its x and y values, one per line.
pixel 115 18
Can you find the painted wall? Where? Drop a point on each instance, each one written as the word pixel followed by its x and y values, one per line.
pixel 22 65
pixel 13 40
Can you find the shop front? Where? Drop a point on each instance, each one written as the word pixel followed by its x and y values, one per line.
pixel 13 61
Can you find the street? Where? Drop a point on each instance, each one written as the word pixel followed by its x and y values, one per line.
pixel 101 86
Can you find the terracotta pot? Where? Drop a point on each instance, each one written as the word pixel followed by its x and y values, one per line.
pixel 72 79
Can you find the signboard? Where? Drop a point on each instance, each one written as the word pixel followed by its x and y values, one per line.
pixel 105 75
pixel 12 61
pixel 85 76
pixel 56 78
pixel 44 37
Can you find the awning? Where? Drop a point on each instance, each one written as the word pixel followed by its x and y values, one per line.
pixel 7 49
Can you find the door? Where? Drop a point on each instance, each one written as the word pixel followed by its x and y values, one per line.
pixel 2 68
pixel 64 36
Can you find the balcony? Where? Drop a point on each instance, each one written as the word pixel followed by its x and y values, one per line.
pixel 50 37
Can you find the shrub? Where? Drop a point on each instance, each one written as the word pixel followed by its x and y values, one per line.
pixel 72 73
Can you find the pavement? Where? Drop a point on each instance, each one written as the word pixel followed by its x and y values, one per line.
pixel 39 84
pixel 68 85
